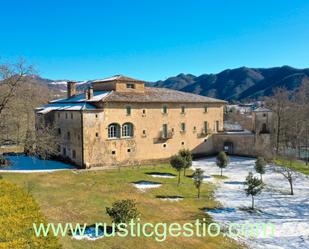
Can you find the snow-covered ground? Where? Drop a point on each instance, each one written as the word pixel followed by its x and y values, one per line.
pixel 289 214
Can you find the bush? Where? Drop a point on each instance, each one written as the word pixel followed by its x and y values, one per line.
pixel 18 212
pixel 4 162
pixel 123 211
pixel 222 160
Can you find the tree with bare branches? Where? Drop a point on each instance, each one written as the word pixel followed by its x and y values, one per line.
pixel 288 172
pixel 12 77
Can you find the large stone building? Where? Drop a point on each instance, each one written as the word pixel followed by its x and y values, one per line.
pixel 119 120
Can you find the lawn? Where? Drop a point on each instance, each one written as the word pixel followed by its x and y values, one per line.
pixel 82 196
pixel 296 165
pixel 18 211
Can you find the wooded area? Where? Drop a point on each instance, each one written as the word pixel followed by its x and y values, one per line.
pixel 290 121
pixel 20 94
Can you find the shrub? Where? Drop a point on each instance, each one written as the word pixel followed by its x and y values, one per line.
pixel 123 211
pixel 222 160
pixel 4 162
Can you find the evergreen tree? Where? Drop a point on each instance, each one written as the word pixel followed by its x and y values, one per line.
pixel 186 155
pixel 222 160
pixel 260 166
pixel 198 180
pixel 178 163
pixel 254 187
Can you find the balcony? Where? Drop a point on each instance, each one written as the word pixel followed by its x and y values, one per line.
pixel 204 133
pixel 164 136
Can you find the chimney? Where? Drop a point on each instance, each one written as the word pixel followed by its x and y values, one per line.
pixel 71 89
pixel 89 93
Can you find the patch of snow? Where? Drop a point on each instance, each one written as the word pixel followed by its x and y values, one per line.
pixel 162 175
pixel 289 214
pixel 238 132
pixel 65 106
pixel 171 198
pixel 144 185
pixel 108 79
pixel 62 82
pixel 89 234
pixel 99 96
pixel 80 98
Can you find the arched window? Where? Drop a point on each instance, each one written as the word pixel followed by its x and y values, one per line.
pixel 114 130
pixel 127 130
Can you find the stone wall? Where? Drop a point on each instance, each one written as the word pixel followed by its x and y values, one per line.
pixel 243 144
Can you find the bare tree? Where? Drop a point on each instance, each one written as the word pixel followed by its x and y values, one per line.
pixel 288 172
pixel 279 103
pixel 43 142
pixel 11 77
pixel 301 99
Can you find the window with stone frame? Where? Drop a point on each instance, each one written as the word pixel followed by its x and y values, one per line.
pixel 127 130
pixel 114 130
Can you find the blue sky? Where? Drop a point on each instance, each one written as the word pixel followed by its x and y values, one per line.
pixel 153 40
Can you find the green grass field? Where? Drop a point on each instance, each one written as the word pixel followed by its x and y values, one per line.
pixel 82 196
pixel 296 165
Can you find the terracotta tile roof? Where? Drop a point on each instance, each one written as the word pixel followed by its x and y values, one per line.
pixel 117 78
pixel 153 94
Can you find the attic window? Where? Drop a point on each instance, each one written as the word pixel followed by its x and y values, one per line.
pixel 183 109
pixel 128 108
pixel 130 85
pixel 164 109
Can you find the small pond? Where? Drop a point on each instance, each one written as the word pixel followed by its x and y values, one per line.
pixel 26 163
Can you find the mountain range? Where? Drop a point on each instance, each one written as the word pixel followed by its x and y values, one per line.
pixel 239 84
